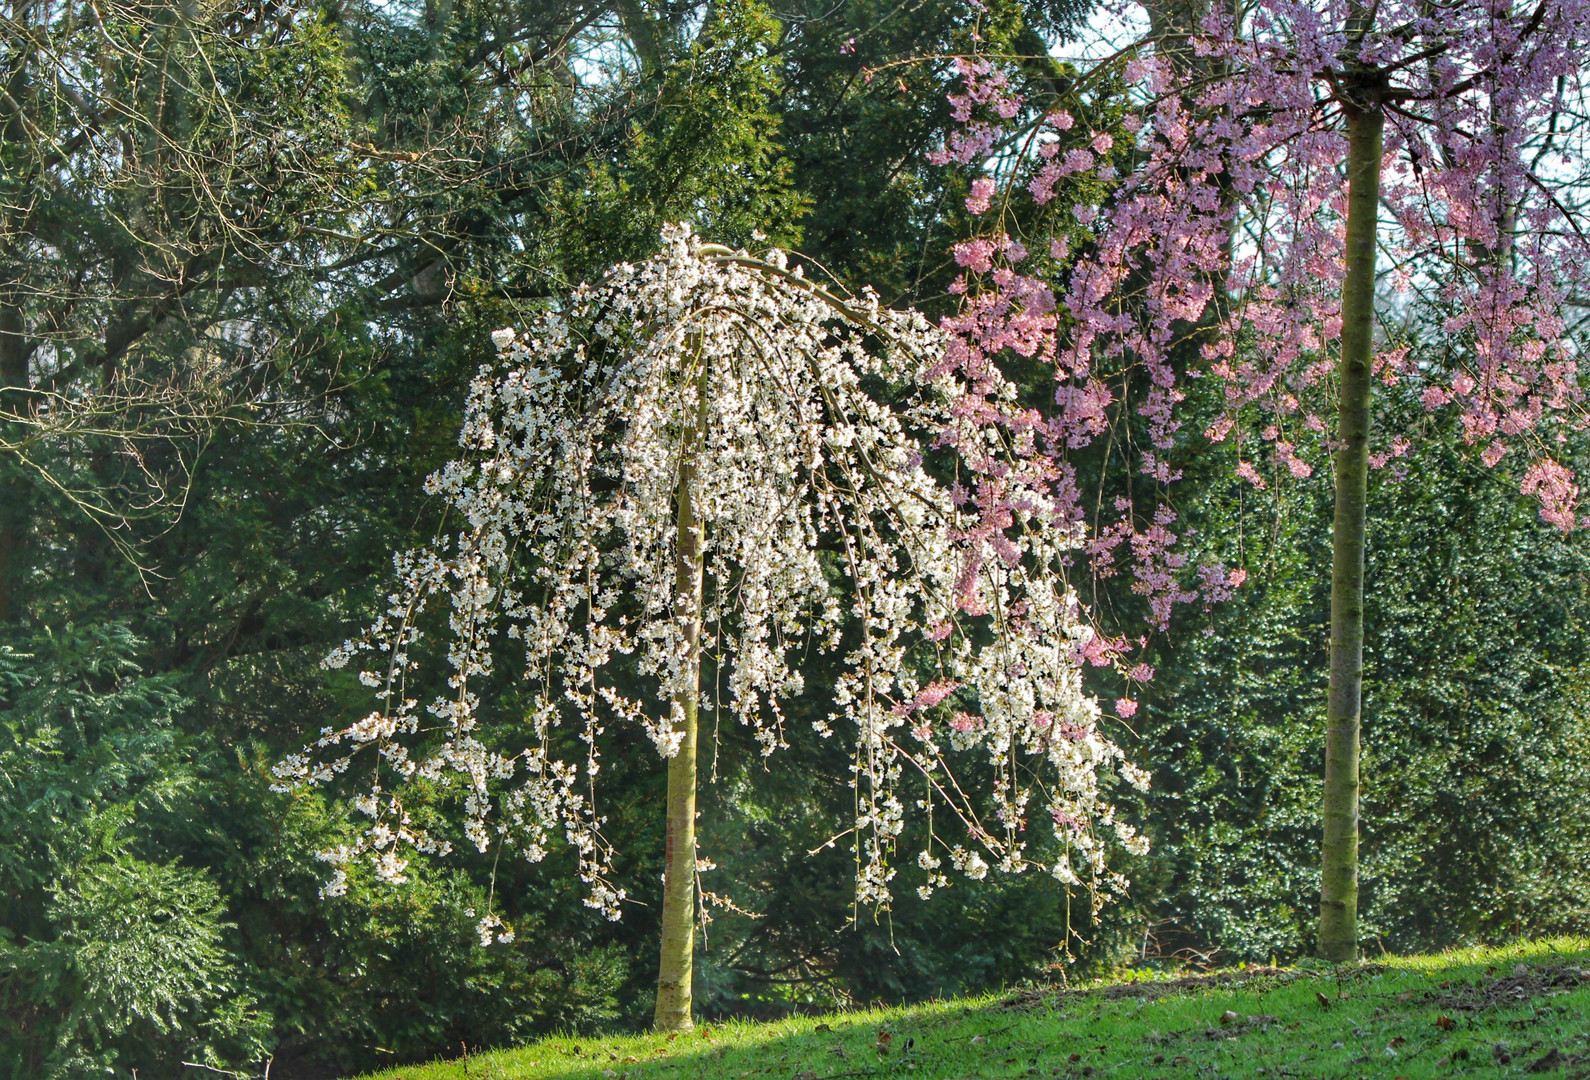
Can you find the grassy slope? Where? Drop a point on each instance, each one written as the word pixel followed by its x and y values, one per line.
pixel 1515 1011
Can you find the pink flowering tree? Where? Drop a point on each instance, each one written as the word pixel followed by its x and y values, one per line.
pixel 685 467
pixel 1256 193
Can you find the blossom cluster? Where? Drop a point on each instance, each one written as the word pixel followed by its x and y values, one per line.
pixel 809 430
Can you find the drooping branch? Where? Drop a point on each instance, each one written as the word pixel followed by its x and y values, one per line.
pixel 729 385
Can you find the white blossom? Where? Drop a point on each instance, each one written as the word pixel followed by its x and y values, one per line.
pixel 822 529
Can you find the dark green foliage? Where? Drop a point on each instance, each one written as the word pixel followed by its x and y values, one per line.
pixel 1476 715
pixel 120 949
pixel 396 972
pixel 101 950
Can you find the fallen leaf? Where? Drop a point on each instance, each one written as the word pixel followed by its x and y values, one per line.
pixel 1074 1058
pixel 1445 1022
pixel 1399 1041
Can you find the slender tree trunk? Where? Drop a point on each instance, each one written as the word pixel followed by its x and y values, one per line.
pixel 14 349
pixel 679 862
pixel 1338 923
pixel 14 500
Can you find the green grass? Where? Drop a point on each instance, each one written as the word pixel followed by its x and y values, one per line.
pixel 1522 1010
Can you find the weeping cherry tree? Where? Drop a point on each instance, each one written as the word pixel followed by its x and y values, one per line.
pixel 1295 201
pixel 695 462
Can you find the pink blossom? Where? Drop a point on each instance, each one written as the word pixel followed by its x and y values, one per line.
pixel 932 694
pixel 965 722
pixel 982 191
pixel 1246 471
pixel 1258 145
pixel 1553 485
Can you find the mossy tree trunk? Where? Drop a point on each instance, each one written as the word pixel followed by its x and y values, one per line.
pixel 675 969
pixel 1338 925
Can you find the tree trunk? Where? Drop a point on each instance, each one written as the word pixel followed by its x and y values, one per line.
pixel 14 348
pixel 679 861
pixel 14 509
pixel 1338 923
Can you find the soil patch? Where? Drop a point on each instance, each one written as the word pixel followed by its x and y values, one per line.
pixel 1524 983
pixel 1219 980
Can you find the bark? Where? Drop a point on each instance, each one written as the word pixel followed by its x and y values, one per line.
pixel 675 969
pixel 14 353
pixel 15 350
pixel 646 32
pixel 1338 925
pixel 1171 24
